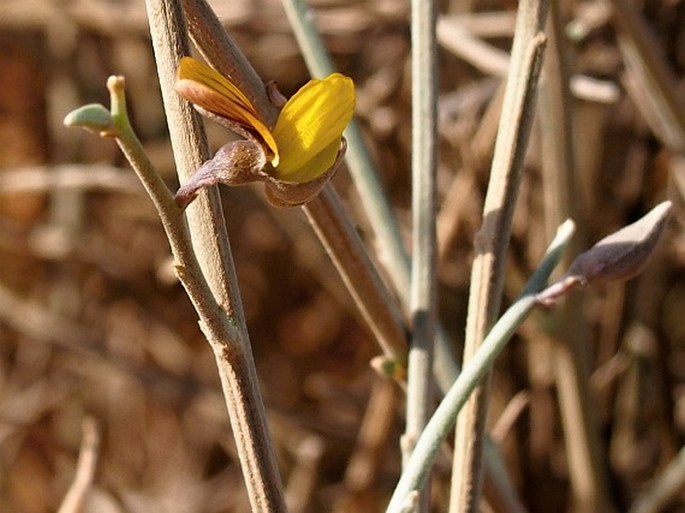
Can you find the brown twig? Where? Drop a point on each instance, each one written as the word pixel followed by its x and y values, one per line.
pixel 75 499
pixel 491 243
pixel 211 245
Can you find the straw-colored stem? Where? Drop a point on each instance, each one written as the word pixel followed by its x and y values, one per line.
pixel 210 244
pixel 664 489
pixel 366 461
pixel 487 277
pixel 648 78
pixel 455 36
pixel 423 274
pixel 76 498
pixel 581 435
pixel 326 214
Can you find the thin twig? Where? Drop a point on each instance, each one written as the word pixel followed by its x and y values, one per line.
pixel 365 463
pixel 664 488
pixel 581 434
pixel 305 474
pixel 423 270
pixel 649 79
pixel 487 278
pixel 83 177
pixel 229 338
pixel 75 499
pixel 455 36
pixel 327 216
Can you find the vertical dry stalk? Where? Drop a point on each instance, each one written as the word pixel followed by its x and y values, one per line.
pixel 648 78
pixel 571 356
pixel 487 278
pixel 76 498
pixel 423 283
pixel 211 245
pixel 365 464
pixel 336 233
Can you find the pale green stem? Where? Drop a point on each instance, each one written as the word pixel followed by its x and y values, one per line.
pixel 171 216
pixel 442 421
pixel 423 268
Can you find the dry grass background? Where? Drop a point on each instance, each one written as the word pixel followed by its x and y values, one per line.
pixel 93 324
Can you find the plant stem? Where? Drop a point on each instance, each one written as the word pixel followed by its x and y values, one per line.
pixel 186 262
pixel 229 338
pixel 443 419
pixel 487 277
pixel 664 488
pixel 327 216
pixel 648 78
pixel 217 47
pixel 395 256
pixel 571 348
pixel 423 269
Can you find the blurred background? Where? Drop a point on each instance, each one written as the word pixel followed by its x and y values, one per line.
pixel 93 324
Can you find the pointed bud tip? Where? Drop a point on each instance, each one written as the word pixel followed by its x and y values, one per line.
pixel 625 253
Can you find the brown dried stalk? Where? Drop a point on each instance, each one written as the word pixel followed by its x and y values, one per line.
pixel 491 243
pixel 212 248
pixel 581 435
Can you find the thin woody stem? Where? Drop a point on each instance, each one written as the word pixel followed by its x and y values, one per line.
pixel 423 281
pixel 230 342
pixel 326 215
pixel 487 276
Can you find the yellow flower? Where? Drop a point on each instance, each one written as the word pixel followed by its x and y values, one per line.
pixel 305 141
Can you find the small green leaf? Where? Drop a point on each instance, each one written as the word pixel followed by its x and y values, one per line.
pixel 92 117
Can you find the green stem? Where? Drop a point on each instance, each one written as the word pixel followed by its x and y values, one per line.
pixel 171 216
pixel 442 422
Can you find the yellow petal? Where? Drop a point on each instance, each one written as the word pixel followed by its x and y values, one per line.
pixel 203 86
pixel 309 127
pixel 314 167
